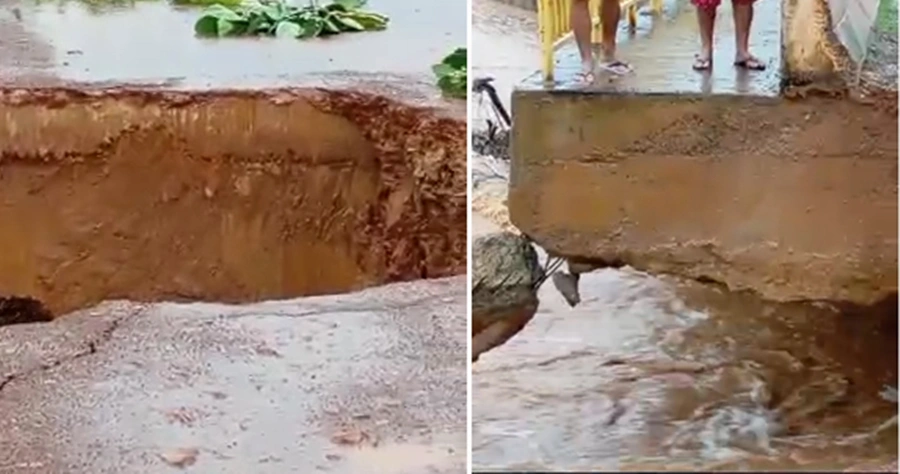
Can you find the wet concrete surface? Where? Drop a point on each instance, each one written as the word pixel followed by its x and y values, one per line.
pixel 373 381
pixel 661 51
pixel 505 45
pixel 152 44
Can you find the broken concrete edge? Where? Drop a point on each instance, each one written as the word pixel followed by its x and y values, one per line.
pixel 43 346
pixel 506 273
pixel 684 261
pixel 810 52
pixel 59 96
pixel 641 143
pixel 814 61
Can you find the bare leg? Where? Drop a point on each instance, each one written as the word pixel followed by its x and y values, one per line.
pixel 706 17
pixel 581 27
pixel 610 13
pixel 743 19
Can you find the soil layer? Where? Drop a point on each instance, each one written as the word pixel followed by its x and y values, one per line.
pixel 226 196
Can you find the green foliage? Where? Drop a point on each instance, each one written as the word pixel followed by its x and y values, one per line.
pixel 280 19
pixel 886 20
pixel 203 3
pixel 451 74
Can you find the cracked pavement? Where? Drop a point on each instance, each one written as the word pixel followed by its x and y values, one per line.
pixel 373 381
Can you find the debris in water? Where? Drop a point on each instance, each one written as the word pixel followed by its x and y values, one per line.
pixel 567 285
pixel 180 457
pixel 889 393
pixel 506 275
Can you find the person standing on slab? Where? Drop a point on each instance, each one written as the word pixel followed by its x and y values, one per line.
pixel 610 11
pixel 743 18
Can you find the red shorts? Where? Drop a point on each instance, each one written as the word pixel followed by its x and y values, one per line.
pixel 713 4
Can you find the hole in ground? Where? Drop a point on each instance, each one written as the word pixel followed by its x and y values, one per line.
pixel 223 196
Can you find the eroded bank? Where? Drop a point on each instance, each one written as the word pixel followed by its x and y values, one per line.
pixel 224 196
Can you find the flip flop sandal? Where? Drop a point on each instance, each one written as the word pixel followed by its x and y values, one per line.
pixel 701 63
pixel 750 64
pixel 584 77
pixel 616 67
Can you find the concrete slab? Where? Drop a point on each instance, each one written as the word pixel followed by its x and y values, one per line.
pixel 795 200
pixel 662 51
pixel 373 381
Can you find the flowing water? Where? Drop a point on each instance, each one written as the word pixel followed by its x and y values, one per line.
pixel 657 373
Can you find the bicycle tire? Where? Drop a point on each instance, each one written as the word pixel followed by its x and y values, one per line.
pixel 497 103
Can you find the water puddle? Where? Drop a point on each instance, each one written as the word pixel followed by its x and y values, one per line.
pixel 69 41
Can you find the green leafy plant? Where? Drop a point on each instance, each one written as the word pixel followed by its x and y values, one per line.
pixel 203 3
pixel 451 74
pixel 278 18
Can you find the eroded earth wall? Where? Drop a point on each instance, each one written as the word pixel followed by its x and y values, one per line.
pixel 226 196
pixel 793 199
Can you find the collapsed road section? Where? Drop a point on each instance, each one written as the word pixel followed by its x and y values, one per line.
pixel 224 196
pixel 207 222
pixel 731 177
pixel 232 197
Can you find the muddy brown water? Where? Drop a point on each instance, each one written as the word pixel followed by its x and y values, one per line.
pixel 657 373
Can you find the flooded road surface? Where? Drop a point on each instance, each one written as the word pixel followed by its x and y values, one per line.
pixel 152 43
pixel 655 373
pixel 373 381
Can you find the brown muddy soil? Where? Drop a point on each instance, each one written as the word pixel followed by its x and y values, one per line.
pixel 225 196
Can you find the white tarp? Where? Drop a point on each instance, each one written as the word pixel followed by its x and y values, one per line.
pixel 853 21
